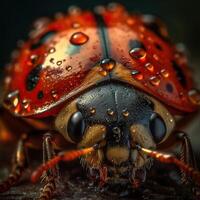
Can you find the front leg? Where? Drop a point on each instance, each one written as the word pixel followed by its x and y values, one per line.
pixel 18 167
pixel 51 176
pixel 186 154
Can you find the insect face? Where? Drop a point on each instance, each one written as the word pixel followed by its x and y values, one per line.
pixel 116 117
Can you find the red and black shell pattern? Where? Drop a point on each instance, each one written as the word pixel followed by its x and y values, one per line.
pixel 74 52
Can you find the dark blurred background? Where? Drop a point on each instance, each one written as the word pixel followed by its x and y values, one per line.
pixel 182 18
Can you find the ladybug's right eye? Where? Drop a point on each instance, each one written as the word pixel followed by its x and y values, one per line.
pixel 76 126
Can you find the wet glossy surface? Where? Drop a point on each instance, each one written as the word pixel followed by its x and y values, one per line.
pixel 53 65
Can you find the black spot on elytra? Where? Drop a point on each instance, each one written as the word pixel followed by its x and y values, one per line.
pixel 42 39
pixel 169 88
pixel 40 95
pixel 158 46
pixel 33 78
pixel 179 73
pixel 133 44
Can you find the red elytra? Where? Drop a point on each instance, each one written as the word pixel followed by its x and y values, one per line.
pixel 63 58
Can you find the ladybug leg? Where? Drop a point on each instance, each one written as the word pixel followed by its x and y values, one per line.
pixel 138 177
pixel 103 175
pixel 19 166
pixel 186 154
pixel 50 176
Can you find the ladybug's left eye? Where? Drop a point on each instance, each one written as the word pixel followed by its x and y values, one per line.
pixel 76 126
pixel 157 127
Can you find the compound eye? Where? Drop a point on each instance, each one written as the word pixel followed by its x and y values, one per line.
pixel 76 126
pixel 157 127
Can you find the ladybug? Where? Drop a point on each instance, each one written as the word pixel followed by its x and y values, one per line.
pixel 109 82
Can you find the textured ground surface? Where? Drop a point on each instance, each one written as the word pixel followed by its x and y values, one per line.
pixel 80 189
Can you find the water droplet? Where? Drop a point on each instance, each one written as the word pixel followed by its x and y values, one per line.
pixel 7 80
pixel 103 72
pixel 156 57
pixel 52 50
pixel 76 25
pixel 68 68
pixel 92 110
pixel 13 94
pixel 108 64
pixel 181 95
pixel 34 58
pixel 15 101
pixel 26 104
pixel 194 96
pixel 110 112
pixel 17 108
pixel 125 113
pixel 155 81
pixel 79 38
pixel 137 75
pixel 130 21
pixel 59 63
pixel 149 67
pixel 54 94
pixel 138 53
pixel 12 99
pixel 164 73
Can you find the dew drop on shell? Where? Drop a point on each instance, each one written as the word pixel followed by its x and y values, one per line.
pixel 164 73
pixel 59 63
pixel 130 21
pixel 137 75
pixel 92 110
pixel 15 101
pixel 76 25
pixel 13 94
pixel 79 38
pixel 125 113
pixel 138 53
pixel 68 68
pixel 103 72
pixel 110 112
pixel 194 96
pixel 54 94
pixel 34 58
pixel 26 104
pixel 52 50
pixel 156 57
pixel 149 67
pixel 155 81
pixel 12 99
pixel 108 64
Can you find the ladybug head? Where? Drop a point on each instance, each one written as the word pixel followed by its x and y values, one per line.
pixel 117 118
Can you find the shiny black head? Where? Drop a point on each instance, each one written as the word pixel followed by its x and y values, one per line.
pixel 117 117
